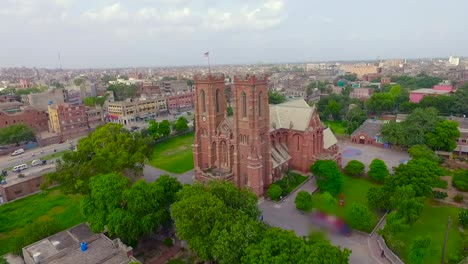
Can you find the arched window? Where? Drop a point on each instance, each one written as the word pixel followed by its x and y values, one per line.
pixel 217 100
pixel 260 104
pixel 244 104
pixel 202 95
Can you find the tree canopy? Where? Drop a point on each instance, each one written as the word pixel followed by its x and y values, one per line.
pixel 378 170
pixel 16 133
pixel 181 124
pixel 130 212
pixel 354 168
pixel 122 91
pixel 276 97
pixel 444 135
pixel 380 103
pixel 329 178
pixel 111 148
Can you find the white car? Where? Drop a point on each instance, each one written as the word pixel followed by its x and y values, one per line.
pixel 36 162
pixel 18 152
pixel 19 168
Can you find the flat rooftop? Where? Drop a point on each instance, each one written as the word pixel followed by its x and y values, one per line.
pixel 65 247
pixel 430 91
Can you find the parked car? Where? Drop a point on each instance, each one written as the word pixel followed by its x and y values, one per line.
pixel 18 152
pixel 19 168
pixel 36 162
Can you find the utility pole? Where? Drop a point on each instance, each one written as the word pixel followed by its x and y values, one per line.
pixel 445 241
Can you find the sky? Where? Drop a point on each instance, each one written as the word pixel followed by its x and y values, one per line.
pixel 137 33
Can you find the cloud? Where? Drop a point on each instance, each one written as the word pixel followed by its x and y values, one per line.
pixel 108 13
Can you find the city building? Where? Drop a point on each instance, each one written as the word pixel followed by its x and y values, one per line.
pixel 417 95
pixel 10 107
pixel 369 133
pixel 255 146
pixel 34 118
pixel 74 97
pixel 16 187
pixel 181 101
pixel 174 86
pixel 69 121
pixel 462 141
pixel 359 69
pixel 361 93
pixel 454 60
pixel 148 88
pixel 95 117
pixel 136 109
pixel 42 100
pixel 67 247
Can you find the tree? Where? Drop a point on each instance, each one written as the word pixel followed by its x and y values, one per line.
pixel 377 198
pixel 164 128
pixel 423 152
pixel 408 206
pixel 279 246
pixel 394 133
pixel 122 91
pixel 16 133
pixel 349 77
pixel 110 148
pixel 129 212
pixel 360 217
pixel 274 192
pixel 329 178
pixel 181 125
pixel 90 101
pixel 303 201
pixel 333 109
pixel 217 220
pixel 463 217
pixel 460 180
pixel 378 170
pixel 153 129
pixel 356 116
pixel 419 250
pixel 276 97
pixel 354 168
pixel 78 81
pixel 380 102
pixel 444 135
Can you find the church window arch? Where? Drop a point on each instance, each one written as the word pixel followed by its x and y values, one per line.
pixel 260 104
pixel 244 104
pixel 218 98
pixel 203 101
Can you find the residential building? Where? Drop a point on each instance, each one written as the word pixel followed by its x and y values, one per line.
pixel 67 247
pixel 443 87
pixel 174 86
pixel 181 101
pixel 34 118
pixel 10 107
pixel 69 121
pixel 255 146
pixel 369 133
pixel 462 141
pixel 42 100
pixel 16 187
pixel 95 117
pixel 148 88
pixel 135 109
pixel 74 97
pixel 361 93
pixel 417 95
pixel 359 69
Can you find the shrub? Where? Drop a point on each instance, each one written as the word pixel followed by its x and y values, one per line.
pixel 303 201
pixel 328 175
pixel 378 170
pixel 463 218
pixel 441 184
pixel 168 242
pixel 458 198
pixel 360 217
pixel 419 249
pixel 274 192
pixel 439 195
pixel 3 260
pixel 284 185
pixel 460 180
pixel 354 168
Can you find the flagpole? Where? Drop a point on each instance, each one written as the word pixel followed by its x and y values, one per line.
pixel 209 67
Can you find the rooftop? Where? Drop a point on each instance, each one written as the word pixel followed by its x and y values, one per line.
pixel 370 127
pixel 430 91
pixel 64 247
pixel 294 114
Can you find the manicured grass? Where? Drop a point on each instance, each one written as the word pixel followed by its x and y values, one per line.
pixel 174 155
pixel 14 216
pixel 432 223
pixel 337 127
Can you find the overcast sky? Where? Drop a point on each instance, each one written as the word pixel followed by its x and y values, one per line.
pixel 127 33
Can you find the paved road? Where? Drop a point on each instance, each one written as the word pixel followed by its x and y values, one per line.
pixel 151 174
pixel 286 216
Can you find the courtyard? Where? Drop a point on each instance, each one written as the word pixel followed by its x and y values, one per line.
pixel 174 155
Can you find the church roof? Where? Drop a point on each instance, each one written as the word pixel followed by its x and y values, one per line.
pixel 329 138
pixel 294 114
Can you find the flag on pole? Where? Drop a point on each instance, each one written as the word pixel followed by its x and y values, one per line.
pixel 207 54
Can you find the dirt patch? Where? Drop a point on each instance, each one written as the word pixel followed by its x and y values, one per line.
pixel 174 151
pixel 56 210
pixel 455 164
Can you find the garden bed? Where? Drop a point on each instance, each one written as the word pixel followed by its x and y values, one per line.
pixel 288 184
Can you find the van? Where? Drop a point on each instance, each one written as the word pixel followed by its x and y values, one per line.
pixel 17 152
pixel 19 168
pixel 36 162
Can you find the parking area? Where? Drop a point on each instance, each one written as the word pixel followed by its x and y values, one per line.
pixel 366 153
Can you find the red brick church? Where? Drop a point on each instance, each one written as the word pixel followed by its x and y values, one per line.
pixel 260 141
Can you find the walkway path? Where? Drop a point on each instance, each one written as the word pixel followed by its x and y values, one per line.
pixel 150 174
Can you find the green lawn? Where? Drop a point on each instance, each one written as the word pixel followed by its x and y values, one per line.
pixel 55 205
pixel 433 222
pixel 174 155
pixel 337 127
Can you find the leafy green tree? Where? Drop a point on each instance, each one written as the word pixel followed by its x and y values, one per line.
pixel 78 81
pixel 378 170
pixel 394 224
pixel 90 101
pixel 423 152
pixel 460 180
pixel 419 250
pixel 408 206
pixel 380 103
pixel 276 97
pixel 460 107
pixel 418 124
pixel 329 178
pixel 444 135
pixel 129 212
pixel 333 109
pixel 164 128
pixel 360 217
pixel 110 148
pixel 463 217
pixel 356 116
pixel 421 174
pixel 274 192
pixel 443 104
pixel 324 201
pixel 394 133
pixel 349 77
pixel 377 198
pixel 303 201
pixel 153 129
pixel 395 90
pixel 16 133
pixel 279 246
pixel 181 125
pixel 122 91
pixel 354 168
